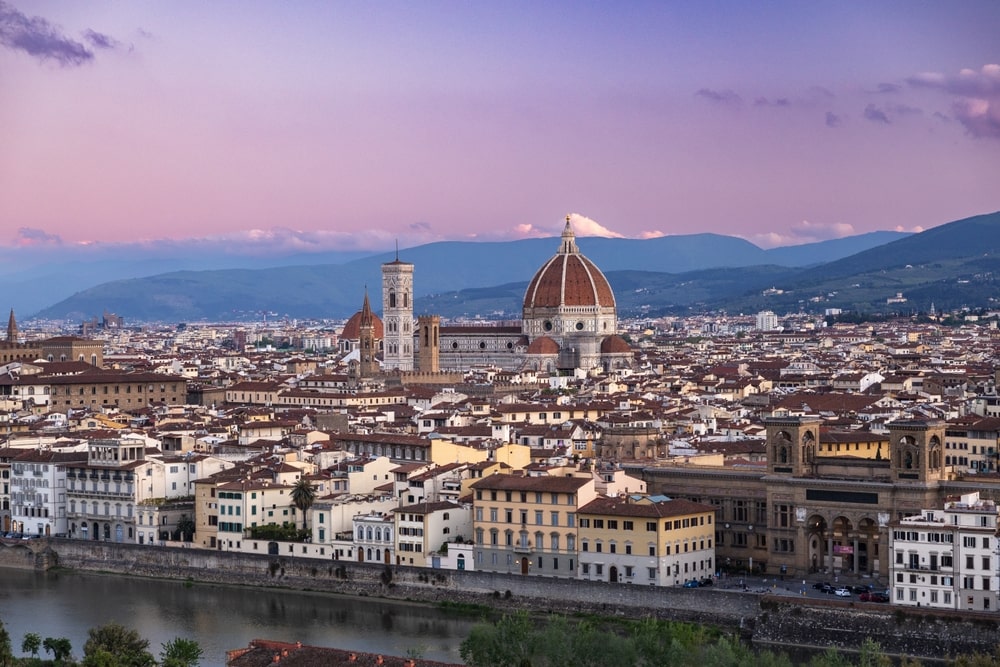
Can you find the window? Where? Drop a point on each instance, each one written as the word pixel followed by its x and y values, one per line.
pixel 627 525
pixel 651 526
pixel 538 518
pixel 555 518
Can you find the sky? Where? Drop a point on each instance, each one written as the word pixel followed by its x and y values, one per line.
pixel 349 125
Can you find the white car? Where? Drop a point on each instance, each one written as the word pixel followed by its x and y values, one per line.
pixel 843 592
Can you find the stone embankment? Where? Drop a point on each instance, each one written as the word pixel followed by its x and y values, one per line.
pixel 766 620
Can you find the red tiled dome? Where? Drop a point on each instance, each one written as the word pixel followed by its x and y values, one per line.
pixel 568 279
pixel 615 345
pixel 543 345
pixel 352 330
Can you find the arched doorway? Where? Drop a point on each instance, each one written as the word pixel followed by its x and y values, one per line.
pixel 867 556
pixel 842 545
pixel 816 540
pixel 387 557
pixel 613 574
pixel 524 565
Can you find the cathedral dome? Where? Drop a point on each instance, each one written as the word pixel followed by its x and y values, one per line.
pixel 352 330
pixel 615 345
pixel 543 345
pixel 568 279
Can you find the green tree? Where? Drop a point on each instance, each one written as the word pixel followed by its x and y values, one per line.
pixel 32 642
pixel 59 647
pixel 6 649
pixel 185 528
pixel 303 497
pixel 506 643
pixel 181 652
pixel 124 646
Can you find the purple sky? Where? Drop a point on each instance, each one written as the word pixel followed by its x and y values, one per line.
pixel 346 125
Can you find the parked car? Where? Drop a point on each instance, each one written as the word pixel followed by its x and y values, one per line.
pixel 820 585
pixel 874 596
pixel 707 581
pixel 828 589
pixel 843 592
pixel 861 589
pixel 691 584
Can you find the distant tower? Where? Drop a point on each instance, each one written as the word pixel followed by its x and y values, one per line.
pixel 397 315
pixel 429 354
pixel 11 328
pixel 368 366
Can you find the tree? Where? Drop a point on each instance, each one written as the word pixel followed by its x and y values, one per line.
pixel 32 642
pixel 125 648
pixel 6 650
pixel 181 652
pixel 185 527
pixel 303 497
pixel 60 648
pixel 506 643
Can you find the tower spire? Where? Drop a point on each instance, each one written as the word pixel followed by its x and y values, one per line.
pixel 12 328
pixel 568 246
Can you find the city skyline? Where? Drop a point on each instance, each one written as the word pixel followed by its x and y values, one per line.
pixel 311 127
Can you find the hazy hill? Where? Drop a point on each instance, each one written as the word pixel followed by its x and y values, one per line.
pixel 336 290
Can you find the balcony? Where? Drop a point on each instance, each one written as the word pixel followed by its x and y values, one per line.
pixel 523 548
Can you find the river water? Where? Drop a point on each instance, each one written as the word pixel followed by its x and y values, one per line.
pixel 220 618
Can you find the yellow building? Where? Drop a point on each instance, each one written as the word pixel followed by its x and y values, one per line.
pixel 528 524
pixel 640 541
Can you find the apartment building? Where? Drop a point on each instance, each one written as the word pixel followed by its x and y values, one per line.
pixel 643 540
pixel 528 524
pixel 423 529
pixel 947 558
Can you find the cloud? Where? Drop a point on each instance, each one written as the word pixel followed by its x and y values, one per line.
pixel 876 115
pixel 725 97
pixel 832 119
pixel 29 236
pixel 777 102
pixel 99 41
pixel 652 234
pixel 584 226
pixel 39 38
pixel 913 230
pixel 888 88
pixel 977 93
pixel 804 232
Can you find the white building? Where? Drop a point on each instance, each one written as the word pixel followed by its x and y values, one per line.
pixel 767 321
pixel 947 558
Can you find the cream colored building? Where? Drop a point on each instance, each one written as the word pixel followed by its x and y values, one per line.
pixel 636 540
pixel 528 524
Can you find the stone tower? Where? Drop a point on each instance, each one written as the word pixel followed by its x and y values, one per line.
pixel 11 328
pixel 397 315
pixel 429 354
pixel 916 448
pixel 368 365
pixel 791 445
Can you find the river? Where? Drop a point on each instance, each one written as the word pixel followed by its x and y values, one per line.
pixel 220 618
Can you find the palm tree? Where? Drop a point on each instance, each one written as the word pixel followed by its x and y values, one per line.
pixel 303 497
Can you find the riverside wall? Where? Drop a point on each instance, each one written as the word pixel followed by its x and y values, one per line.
pixel 767 620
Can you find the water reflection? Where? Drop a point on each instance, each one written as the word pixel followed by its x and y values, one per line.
pixel 67 604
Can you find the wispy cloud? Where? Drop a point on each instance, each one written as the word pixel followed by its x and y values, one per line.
pixel 888 88
pixel 37 37
pixel 977 92
pixel 725 97
pixel 876 115
pixel 29 236
pixel 100 41
pixel 832 119
pixel 776 102
pixel 805 231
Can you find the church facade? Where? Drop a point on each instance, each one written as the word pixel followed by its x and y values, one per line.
pixel 569 322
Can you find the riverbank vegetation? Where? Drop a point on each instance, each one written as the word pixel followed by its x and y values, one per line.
pixel 111 645
pixel 519 640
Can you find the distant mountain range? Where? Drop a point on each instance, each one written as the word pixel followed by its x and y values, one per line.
pixel 952 265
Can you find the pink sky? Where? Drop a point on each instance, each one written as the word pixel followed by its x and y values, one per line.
pixel 349 125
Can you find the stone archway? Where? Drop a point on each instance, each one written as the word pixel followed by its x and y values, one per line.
pixel 842 545
pixel 613 574
pixel 816 540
